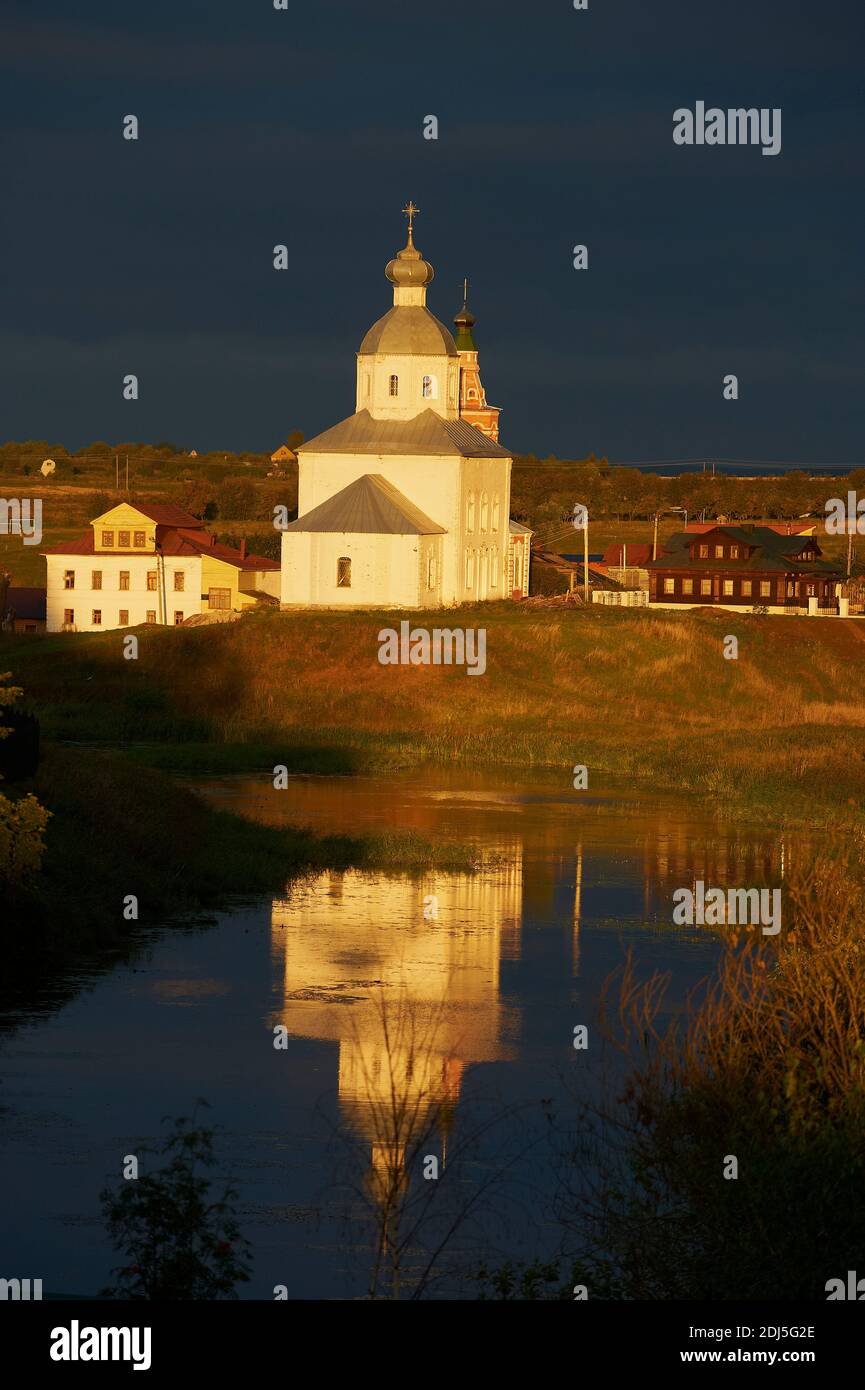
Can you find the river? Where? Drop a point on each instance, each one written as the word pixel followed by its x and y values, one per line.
pixel 455 994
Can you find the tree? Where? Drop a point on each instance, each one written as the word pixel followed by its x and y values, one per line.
pixel 295 439
pixel 237 499
pixel 182 1242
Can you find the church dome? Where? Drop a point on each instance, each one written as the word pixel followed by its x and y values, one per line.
pixel 408 266
pixel 409 330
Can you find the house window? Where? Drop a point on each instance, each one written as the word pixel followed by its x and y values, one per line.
pixel 428 388
pixel 494 570
pixel 485 511
pixel 139 539
pixel 124 579
pixel 69 579
pixel 96 579
pixel 810 590
pixel 765 588
pixel 734 552
pixel 470 512
pixel 179 580
pixel 495 513
pixel 68 617
pixel 219 598
pixel 107 540
pixel 343 572
pixel 719 552
pixel 151 580
pixel 669 586
pixel 746 588
pixel 97 617
pixel 123 618
pixel 470 569
pixel 151 615
pixel 123 538
pixel 705 586
pixel 687 586
pixel 393 386
pixel 178 619
pixel 728 588
pixel 704 552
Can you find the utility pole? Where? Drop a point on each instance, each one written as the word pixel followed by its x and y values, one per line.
pixel 655 539
pixel 127 477
pixel 849 545
pixel 586 560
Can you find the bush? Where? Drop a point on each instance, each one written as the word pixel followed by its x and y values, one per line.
pixel 237 499
pixel 183 1242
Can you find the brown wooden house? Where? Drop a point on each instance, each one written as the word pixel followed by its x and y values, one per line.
pixel 744 567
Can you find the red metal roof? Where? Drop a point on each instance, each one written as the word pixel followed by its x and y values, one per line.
pixel 172 542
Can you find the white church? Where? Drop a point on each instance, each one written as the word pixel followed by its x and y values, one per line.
pixel 406 504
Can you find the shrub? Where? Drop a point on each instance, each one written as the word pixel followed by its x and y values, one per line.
pixel 182 1241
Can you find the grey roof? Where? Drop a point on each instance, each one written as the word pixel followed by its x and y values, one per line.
pixel 368 506
pixel 770 552
pixel 426 433
pixel 409 329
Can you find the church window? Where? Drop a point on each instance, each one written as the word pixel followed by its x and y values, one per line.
pixel 470 568
pixel 494 570
pixel 470 512
pixel 431 572
pixel 366 383
pixel 473 395
pixel 428 388
pixel 343 571
pixel 485 511
pixel 393 386
pixel 495 513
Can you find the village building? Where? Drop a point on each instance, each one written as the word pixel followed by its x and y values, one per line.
pixel 745 567
pixel 150 563
pixel 406 502
pixel 283 455
pixel 21 609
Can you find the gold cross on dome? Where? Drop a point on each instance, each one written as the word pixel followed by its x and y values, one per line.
pixel 410 211
pixel 465 291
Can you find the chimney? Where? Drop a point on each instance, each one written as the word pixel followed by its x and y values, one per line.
pixel 243 549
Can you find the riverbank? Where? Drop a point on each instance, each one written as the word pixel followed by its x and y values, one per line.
pixel 775 732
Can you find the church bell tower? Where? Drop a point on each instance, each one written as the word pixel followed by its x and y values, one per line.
pixel 473 399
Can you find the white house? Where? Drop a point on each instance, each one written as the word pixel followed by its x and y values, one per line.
pixel 150 563
pixel 405 503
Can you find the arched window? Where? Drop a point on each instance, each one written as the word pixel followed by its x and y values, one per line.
pixel 343 572
pixel 429 388
pixel 485 511
pixel 473 395
pixel 494 570
pixel 470 512
pixel 496 513
pixel 431 572
pixel 393 386
pixel 470 568
pixel 366 383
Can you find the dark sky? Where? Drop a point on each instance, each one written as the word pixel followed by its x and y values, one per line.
pixel 304 127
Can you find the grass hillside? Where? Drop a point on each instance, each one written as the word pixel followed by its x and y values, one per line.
pixel 780 728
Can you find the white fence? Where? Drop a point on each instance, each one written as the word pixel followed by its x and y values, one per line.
pixel 621 598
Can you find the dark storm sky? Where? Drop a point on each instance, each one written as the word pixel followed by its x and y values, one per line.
pixel 555 127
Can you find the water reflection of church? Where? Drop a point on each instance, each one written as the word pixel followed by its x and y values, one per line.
pixel 412 1001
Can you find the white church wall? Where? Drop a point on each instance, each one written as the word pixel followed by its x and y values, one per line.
pixel 384 572
pixel 482 534
pixel 373 385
